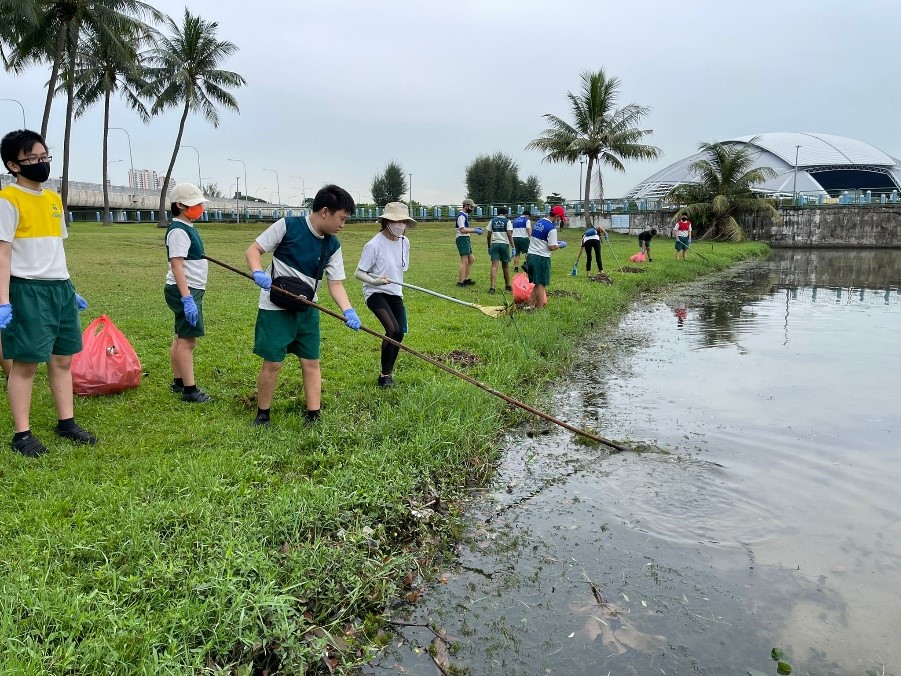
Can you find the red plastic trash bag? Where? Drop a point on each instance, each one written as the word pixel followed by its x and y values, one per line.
pixel 637 258
pixel 522 287
pixel 107 363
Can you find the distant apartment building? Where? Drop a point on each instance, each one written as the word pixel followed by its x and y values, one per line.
pixel 147 179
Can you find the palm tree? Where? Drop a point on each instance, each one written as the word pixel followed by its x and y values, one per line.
pixel 185 72
pixel 604 134
pixel 724 190
pixel 105 68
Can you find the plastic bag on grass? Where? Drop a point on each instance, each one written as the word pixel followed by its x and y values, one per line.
pixel 107 363
pixel 637 258
pixel 522 287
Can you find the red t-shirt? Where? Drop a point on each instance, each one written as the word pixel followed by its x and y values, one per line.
pixel 683 227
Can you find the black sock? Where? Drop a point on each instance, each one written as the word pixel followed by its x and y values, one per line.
pixel 190 388
pixel 263 413
pixel 21 435
pixel 178 382
pixel 312 416
pixel 66 424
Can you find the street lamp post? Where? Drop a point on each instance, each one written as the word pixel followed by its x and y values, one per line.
pixel 237 191
pixel 278 186
pixel 795 180
pixel 245 179
pixel 24 124
pixel 304 188
pixel 133 183
pixel 199 179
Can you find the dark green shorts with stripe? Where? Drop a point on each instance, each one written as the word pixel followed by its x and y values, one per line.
pixel 279 332
pixel 464 245
pixel 173 300
pixel 522 245
pixel 45 320
pixel 539 269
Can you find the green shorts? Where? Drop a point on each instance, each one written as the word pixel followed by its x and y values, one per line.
pixel 173 300
pixel 279 332
pixel 45 320
pixel 464 245
pixel 681 243
pixel 500 251
pixel 522 245
pixel 538 268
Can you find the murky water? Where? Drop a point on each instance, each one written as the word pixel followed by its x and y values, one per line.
pixel 770 518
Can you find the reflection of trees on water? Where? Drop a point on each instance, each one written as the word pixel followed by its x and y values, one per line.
pixel 871 276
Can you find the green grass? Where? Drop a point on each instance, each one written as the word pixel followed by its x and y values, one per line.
pixel 188 541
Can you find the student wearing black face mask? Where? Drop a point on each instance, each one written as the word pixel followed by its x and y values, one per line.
pixel 38 304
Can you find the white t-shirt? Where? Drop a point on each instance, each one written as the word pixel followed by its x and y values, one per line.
pixel 461 223
pixel 34 257
pixel 196 272
pixel 522 232
pixel 384 258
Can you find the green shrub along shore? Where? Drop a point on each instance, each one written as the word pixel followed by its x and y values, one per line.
pixel 188 542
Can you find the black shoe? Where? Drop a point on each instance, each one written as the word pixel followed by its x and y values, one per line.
pixel 508 288
pixel 516 269
pixel 462 284
pixel 29 446
pixel 261 421
pixel 77 434
pixel 196 397
pixel 468 282
pixel 177 389
pixel 386 381
pixel 491 290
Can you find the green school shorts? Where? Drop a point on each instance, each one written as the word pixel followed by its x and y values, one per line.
pixel 464 245
pixel 522 245
pixel 173 300
pixel 539 269
pixel 279 332
pixel 45 320
pixel 500 252
pixel 681 243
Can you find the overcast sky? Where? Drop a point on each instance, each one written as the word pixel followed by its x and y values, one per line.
pixel 337 89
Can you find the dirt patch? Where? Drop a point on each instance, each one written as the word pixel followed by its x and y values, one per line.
pixel 601 277
pixel 632 268
pixel 458 358
pixel 560 293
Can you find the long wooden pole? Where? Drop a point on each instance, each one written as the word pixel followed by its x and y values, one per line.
pixel 444 367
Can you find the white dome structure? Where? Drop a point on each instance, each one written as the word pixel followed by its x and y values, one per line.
pixel 826 164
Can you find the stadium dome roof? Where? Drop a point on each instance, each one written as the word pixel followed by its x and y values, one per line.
pixel 826 164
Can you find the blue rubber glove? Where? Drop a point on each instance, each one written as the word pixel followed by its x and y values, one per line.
pixel 353 321
pixel 191 313
pixel 606 236
pixel 6 315
pixel 689 240
pixel 81 303
pixel 479 231
pixel 514 252
pixel 262 280
pixel 562 244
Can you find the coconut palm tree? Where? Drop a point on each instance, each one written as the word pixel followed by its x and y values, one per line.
pixel 185 71
pixel 601 132
pixel 104 68
pixel 723 191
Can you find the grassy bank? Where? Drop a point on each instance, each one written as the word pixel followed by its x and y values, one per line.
pixel 186 540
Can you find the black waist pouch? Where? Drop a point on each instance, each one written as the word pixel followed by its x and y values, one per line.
pixel 294 286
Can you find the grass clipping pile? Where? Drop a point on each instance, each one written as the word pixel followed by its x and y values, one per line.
pixel 601 277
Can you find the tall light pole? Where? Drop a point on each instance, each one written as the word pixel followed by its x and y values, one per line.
pixel 795 180
pixel 133 183
pixel 278 187
pixel 304 188
pixel 245 179
pixel 199 179
pixel 237 191
pixel 24 124
pixel 411 193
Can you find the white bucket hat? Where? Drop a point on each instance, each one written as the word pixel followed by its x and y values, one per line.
pixel 397 211
pixel 187 194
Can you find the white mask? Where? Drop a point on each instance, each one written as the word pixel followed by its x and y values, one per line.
pixel 397 229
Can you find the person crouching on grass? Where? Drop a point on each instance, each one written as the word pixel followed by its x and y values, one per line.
pixel 185 285
pixel 385 259
pixel 644 241
pixel 538 262
pixel 38 304
pixel 303 248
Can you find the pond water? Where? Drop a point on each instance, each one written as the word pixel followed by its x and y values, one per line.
pixel 765 516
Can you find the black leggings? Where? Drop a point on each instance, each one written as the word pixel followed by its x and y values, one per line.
pixel 592 245
pixel 389 310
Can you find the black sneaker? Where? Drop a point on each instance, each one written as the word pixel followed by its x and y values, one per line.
pixel 491 290
pixel 29 446
pixel 196 397
pixel 386 381
pixel 508 288
pixel 77 434
pixel 261 421
pixel 177 389
pixel 468 282
pixel 462 284
pixel 516 269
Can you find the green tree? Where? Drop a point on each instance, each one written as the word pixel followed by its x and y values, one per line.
pixel 185 71
pixel 599 131
pixel 493 179
pixel 103 68
pixel 723 191
pixel 389 185
pixel 212 191
pixel 529 190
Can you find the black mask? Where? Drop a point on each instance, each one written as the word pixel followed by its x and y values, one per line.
pixel 37 172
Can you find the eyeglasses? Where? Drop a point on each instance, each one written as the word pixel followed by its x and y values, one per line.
pixel 34 160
